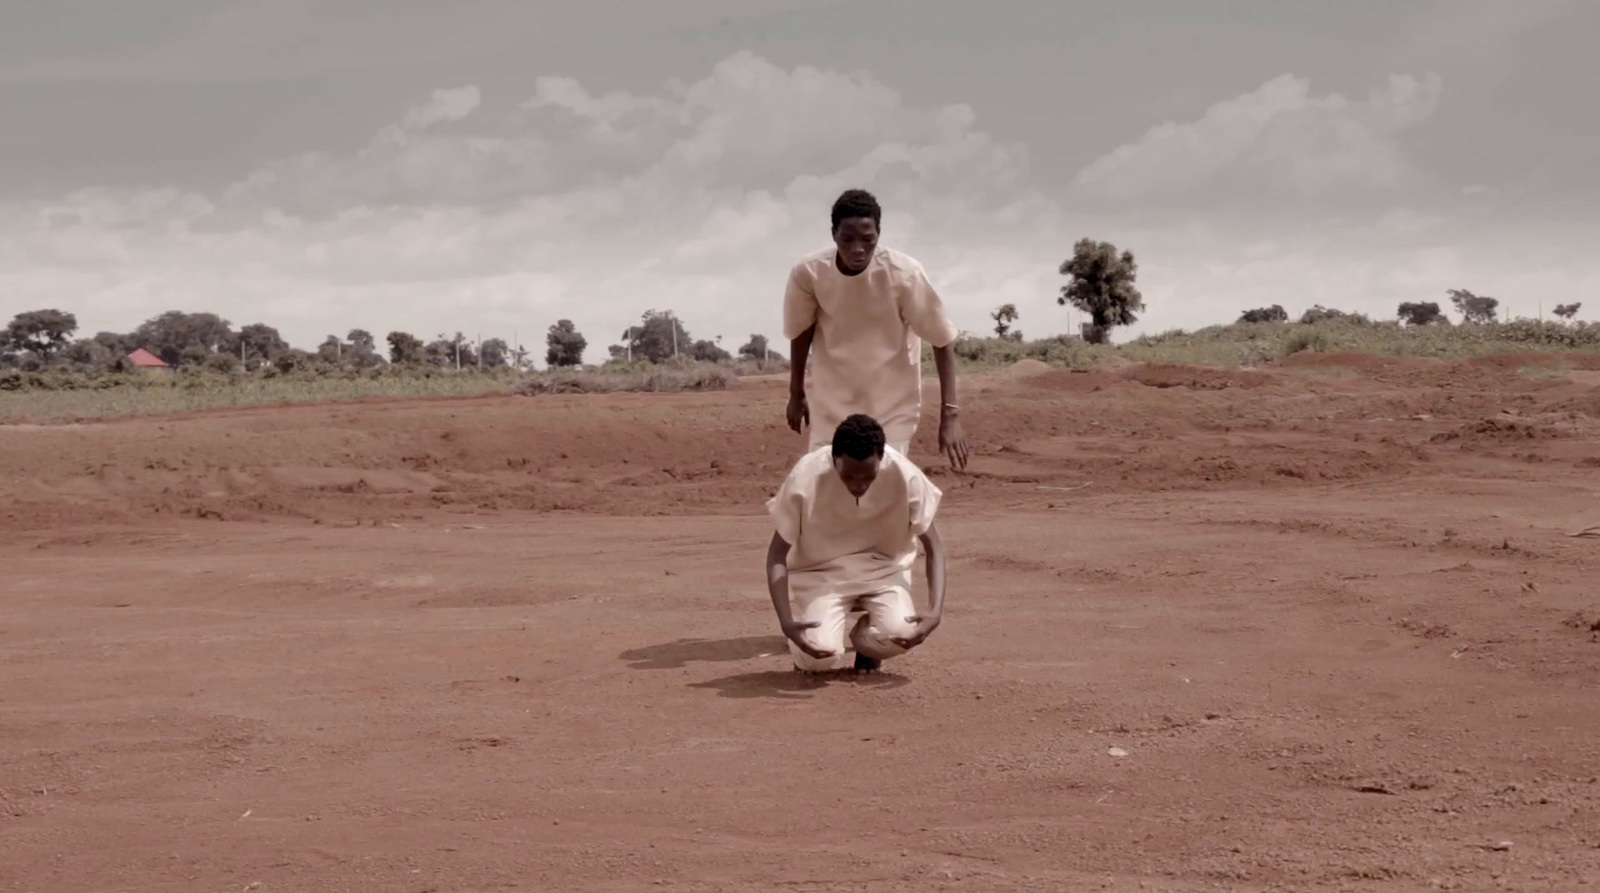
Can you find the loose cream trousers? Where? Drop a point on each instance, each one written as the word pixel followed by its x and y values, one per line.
pixel 847 625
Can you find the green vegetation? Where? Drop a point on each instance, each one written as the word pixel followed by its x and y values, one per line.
pixel 640 377
pixel 65 395
pixel 1251 344
pixel 47 376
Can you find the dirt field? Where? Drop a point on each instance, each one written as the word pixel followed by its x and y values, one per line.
pixel 1320 626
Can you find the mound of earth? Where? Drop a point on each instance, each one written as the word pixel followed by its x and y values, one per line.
pixel 1497 430
pixel 1364 364
pixel 1163 375
pixel 1511 362
pixel 1114 364
pixel 1026 369
pixel 1140 428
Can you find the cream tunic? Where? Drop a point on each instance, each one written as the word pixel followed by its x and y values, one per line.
pixel 866 356
pixel 844 549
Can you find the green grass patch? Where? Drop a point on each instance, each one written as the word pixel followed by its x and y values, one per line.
pixel 69 395
pixel 662 379
pixel 1253 344
pixel 52 397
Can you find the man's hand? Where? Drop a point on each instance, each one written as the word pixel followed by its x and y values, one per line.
pixel 799 412
pixel 925 627
pixel 795 632
pixel 953 441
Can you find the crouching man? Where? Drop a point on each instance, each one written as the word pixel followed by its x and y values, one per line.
pixel 847 521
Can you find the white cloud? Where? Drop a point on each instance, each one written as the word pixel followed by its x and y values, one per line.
pixel 443 106
pixel 1405 221
pixel 698 197
pixel 1278 138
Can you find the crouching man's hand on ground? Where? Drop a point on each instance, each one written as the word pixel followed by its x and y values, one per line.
pixel 926 624
pixel 795 631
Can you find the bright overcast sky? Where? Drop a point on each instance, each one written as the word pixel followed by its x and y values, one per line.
pixel 490 166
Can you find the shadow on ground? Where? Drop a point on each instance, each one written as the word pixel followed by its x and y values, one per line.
pixel 787 685
pixel 679 654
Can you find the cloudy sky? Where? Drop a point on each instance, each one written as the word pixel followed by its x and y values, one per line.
pixel 490 166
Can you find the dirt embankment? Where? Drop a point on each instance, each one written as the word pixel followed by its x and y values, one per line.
pixel 1314 417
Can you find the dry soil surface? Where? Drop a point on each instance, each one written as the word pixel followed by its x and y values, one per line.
pixel 1316 626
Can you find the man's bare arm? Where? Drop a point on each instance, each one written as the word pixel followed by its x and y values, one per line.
pixel 933 548
pixel 799 352
pixel 778 579
pixel 929 620
pixel 778 588
pixel 952 440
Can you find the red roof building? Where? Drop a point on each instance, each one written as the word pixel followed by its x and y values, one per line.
pixel 144 359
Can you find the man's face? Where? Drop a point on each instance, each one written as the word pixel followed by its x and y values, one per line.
pixel 856 238
pixel 857 474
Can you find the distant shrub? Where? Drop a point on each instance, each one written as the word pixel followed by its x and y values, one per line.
pixel 1549 333
pixel 1417 313
pixel 1319 313
pixel 1312 340
pixel 222 362
pixel 653 378
pixel 1165 337
pixel 60 378
pixel 1059 350
pixel 747 366
pixel 1275 313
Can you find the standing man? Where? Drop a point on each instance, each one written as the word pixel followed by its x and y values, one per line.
pixel 863 312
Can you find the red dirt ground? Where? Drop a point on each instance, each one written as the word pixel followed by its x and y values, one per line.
pixel 1330 614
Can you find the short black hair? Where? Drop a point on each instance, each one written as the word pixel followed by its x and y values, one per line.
pixel 856 203
pixel 860 437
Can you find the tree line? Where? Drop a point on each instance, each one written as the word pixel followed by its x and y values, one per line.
pixel 1101 282
pixel 1474 310
pixel 1102 285
pixel 42 338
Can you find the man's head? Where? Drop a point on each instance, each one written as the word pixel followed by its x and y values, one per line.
pixel 857 453
pixel 856 218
